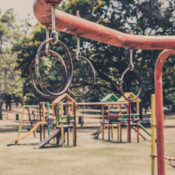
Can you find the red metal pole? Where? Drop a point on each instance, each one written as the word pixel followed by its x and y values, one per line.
pixel 75 125
pixel 84 28
pixel 129 123
pixel 138 121
pixel 159 109
pixel 103 120
pixel 109 137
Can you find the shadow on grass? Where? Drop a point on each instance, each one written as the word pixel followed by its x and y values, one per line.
pixel 107 141
pixel 8 130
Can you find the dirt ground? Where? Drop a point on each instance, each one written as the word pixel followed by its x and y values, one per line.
pixel 90 157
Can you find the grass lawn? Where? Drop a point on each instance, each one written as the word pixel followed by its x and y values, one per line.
pixel 90 157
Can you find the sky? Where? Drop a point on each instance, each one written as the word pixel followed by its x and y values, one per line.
pixel 21 8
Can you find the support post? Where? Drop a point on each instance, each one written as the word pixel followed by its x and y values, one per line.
pixel 120 124
pixel 44 119
pixel 75 127
pixel 138 121
pixel 159 109
pixel 40 114
pixel 129 123
pixel 108 123
pixel 103 119
pixel 31 125
pixel 153 131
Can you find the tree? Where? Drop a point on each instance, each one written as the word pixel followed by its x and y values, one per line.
pixel 9 34
pixel 109 61
pixel 147 17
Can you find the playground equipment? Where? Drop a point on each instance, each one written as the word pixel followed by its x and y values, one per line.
pixel 33 128
pixel 87 66
pixel 83 28
pixel 64 121
pixel 58 123
pixel 130 69
pixel 122 114
pixel 67 85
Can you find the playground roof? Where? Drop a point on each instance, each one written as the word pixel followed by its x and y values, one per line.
pixel 62 97
pixel 110 98
pixel 129 95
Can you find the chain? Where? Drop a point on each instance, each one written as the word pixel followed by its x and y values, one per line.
pixel 170 159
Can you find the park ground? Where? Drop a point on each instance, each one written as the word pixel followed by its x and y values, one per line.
pixel 90 157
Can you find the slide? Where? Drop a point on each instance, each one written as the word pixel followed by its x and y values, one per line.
pixel 144 129
pixel 49 138
pixel 135 129
pixel 96 133
pixel 28 133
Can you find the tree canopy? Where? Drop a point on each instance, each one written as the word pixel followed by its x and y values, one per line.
pixel 146 17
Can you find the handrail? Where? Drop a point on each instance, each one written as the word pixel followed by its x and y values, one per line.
pixel 84 28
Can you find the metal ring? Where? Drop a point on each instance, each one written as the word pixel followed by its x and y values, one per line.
pixel 34 84
pixel 69 79
pixel 93 77
pixel 121 84
pixel 45 90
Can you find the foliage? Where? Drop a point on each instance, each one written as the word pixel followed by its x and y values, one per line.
pixel 10 81
pixel 142 17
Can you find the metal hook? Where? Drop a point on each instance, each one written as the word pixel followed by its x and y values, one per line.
pixel 78 54
pixel 54 33
pixel 131 64
pixel 47 37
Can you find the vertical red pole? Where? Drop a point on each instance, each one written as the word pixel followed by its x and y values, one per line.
pixel 129 123
pixel 108 123
pixel 159 109
pixel 120 108
pixel 138 120
pixel 103 119
pixel 75 127
pixel 40 114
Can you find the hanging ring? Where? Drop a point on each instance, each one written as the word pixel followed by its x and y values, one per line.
pixel 121 84
pixel 63 87
pixel 34 84
pixel 70 73
pixel 84 59
pixel 46 94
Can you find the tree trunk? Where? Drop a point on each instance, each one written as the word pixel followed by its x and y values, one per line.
pixel 1 110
